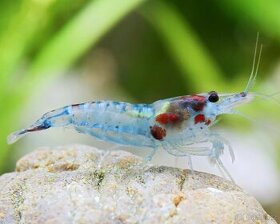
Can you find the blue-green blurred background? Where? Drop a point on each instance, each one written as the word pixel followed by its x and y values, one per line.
pixel 58 52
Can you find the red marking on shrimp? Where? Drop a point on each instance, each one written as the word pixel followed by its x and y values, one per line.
pixel 173 118
pixel 158 132
pixel 198 98
pixel 198 102
pixel 76 106
pixel 39 128
pixel 162 118
pixel 199 118
pixel 198 107
pixel 166 118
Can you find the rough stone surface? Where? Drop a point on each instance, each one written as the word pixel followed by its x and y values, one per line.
pixel 81 184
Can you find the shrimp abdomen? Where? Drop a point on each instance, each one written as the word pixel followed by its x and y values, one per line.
pixel 112 121
pixel 117 122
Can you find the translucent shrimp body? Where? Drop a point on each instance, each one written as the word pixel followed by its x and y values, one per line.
pixel 174 124
pixel 174 121
pixel 180 125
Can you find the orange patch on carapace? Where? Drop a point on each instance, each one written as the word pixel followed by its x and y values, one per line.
pixel 166 118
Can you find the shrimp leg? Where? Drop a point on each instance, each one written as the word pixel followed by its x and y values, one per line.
pixel 188 152
pixel 189 162
pixel 151 155
pixel 225 142
pixel 223 169
pixel 217 150
pixel 190 165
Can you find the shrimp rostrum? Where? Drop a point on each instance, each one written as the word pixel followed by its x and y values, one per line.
pixel 179 125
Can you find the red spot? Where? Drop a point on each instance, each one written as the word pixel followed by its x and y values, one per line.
pixel 166 118
pixel 162 118
pixel 173 118
pixel 158 132
pixel 199 118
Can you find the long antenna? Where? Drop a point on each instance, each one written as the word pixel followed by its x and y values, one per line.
pixel 255 66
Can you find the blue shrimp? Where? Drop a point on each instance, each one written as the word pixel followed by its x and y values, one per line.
pixel 176 124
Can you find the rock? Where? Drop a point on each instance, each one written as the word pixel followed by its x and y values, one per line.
pixel 81 184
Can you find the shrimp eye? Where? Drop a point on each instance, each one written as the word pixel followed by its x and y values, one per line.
pixel 213 97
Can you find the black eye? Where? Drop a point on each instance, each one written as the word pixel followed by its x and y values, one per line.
pixel 213 97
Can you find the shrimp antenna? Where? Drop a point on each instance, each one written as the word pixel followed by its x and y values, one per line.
pixel 255 66
pixel 267 97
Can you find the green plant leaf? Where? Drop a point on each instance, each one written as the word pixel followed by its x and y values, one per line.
pixel 187 50
pixel 263 13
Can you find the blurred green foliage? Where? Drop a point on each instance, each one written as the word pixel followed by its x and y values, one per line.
pixel 163 48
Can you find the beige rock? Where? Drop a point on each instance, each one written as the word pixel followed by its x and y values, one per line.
pixel 81 184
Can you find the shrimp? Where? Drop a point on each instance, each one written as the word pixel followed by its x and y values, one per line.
pixel 178 125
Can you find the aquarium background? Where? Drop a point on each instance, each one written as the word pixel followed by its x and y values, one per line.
pixel 59 52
